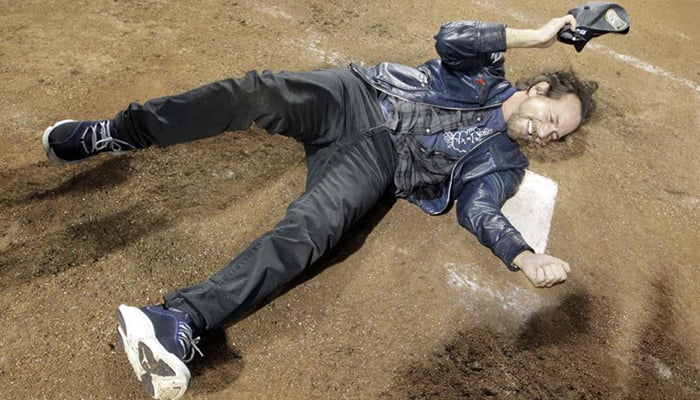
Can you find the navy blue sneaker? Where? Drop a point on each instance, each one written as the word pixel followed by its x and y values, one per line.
pixel 158 343
pixel 68 141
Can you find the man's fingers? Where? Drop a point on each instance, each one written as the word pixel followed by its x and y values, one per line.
pixel 548 275
pixel 554 274
pixel 540 278
pixel 545 271
pixel 561 22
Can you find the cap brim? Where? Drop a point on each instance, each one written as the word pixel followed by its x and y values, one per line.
pixel 579 45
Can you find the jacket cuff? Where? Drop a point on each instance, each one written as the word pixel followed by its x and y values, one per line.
pixel 508 247
pixel 492 37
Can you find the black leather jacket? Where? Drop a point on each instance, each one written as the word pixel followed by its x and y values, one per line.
pixel 468 75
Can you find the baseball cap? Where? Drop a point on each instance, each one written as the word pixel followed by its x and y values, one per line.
pixel 594 19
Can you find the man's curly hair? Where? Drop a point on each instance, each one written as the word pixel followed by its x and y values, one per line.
pixel 564 82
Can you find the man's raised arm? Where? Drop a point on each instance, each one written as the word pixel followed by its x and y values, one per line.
pixel 545 36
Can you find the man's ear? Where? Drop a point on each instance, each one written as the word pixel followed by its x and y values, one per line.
pixel 538 89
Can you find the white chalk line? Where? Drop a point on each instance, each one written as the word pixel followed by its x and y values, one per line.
pixel 645 66
pixel 274 11
pixel 334 58
pixel 518 300
pixel 310 43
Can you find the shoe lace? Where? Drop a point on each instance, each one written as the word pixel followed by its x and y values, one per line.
pixel 188 343
pixel 102 139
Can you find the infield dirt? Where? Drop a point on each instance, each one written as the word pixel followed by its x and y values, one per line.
pixel 408 306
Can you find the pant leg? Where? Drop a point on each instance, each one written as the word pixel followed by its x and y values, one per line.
pixel 352 178
pixel 351 165
pixel 308 106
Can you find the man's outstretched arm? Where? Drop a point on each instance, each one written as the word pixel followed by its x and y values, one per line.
pixel 545 36
pixel 479 211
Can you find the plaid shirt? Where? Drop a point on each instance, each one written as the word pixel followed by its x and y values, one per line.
pixel 430 140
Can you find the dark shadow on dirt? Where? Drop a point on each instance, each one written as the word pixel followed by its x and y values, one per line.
pixel 45 180
pixel 532 364
pixel 82 242
pixel 77 214
pixel 83 237
pixel 561 353
pixel 661 363
pixel 559 325
pixel 221 365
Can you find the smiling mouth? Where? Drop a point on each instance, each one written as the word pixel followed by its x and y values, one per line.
pixel 529 128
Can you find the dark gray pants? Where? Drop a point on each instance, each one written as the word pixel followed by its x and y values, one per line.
pixel 351 165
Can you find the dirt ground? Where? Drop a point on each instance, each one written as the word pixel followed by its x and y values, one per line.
pixel 409 306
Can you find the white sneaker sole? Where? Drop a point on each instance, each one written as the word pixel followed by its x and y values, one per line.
pixel 165 376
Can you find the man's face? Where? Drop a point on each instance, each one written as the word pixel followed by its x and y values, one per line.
pixel 541 119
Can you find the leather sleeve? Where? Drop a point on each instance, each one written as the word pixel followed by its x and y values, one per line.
pixel 479 211
pixel 462 44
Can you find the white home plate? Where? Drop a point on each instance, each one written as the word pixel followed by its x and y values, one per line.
pixel 531 209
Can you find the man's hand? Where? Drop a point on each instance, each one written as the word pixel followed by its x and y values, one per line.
pixel 541 269
pixel 543 37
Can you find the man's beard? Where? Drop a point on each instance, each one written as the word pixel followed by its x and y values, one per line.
pixel 514 128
